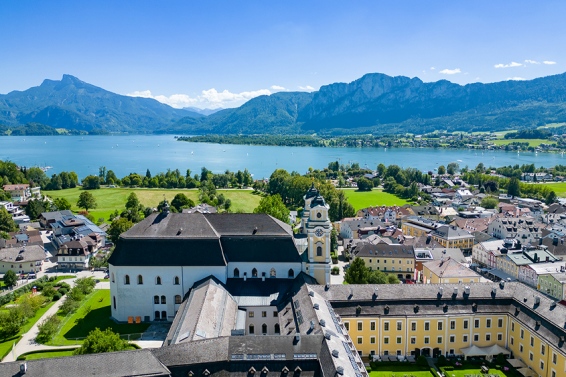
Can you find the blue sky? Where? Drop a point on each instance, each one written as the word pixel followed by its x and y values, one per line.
pixel 211 54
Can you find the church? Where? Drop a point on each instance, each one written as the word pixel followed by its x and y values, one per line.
pixel 159 260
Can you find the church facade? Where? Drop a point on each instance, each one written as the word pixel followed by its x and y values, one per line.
pixel 157 262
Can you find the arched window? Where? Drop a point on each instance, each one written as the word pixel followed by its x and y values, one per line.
pixel 156 299
pixel 264 329
pixel 114 299
pixel 291 273
pixel 176 280
pixel 251 329
pixel 127 279
pixel 277 329
pixel 163 300
pixel 177 299
pixel 319 251
pixel 164 315
pixel 113 277
pixel 140 279
pixel 157 314
pixel 254 273
pixel 158 280
pixel 236 273
pixel 272 273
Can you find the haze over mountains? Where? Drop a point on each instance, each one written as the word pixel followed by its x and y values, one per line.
pixel 373 103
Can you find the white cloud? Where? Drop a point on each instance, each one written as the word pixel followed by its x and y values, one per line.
pixel 510 65
pixel 515 79
pixel 528 61
pixel 450 71
pixel 549 62
pixel 307 88
pixel 208 99
pixel 432 68
pixel 277 87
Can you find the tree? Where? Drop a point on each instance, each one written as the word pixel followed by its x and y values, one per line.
pixel 514 187
pixel 10 278
pixel 91 182
pixel 452 168
pixel 35 208
pixel 273 205
pixel 7 224
pixel 364 184
pixel 550 198
pixel 62 204
pixel 358 273
pixel 181 201
pixel 118 227
pixel 98 341
pixel 441 170
pixel 86 201
pixel 489 202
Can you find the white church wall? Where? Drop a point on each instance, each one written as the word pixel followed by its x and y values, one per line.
pixel 281 269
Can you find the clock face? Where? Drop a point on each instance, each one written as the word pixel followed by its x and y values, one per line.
pixel 318 232
pixel 319 215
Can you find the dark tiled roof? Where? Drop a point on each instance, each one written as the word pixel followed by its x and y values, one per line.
pixel 114 364
pixel 246 224
pixel 260 248
pixel 167 252
pixel 31 253
pixel 385 250
pixel 174 225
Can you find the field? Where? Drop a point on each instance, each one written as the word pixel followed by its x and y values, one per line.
pixel 363 199
pixel 475 372
pixel 46 355
pixel 95 312
pixel 559 188
pixel 111 199
pixel 532 142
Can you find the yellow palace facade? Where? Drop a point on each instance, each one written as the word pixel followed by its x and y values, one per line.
pixel 445 319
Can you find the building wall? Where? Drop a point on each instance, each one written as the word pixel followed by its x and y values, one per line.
pixel 260 316
pixel 432 278
pixel 133 300
pixel 404 266
pixel 17 267
pixel 549 285
pixel 448 334
pixel 281 270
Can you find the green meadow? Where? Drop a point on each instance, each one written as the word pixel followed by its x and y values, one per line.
pixel 376 197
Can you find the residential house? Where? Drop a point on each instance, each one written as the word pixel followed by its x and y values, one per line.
pixel 448 271
pixel 22 259
pixel 397 259
pixel 19 192
pixel 554 284
pixel 524 229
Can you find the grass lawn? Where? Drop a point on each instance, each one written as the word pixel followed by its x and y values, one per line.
pixel 532 142
pixel 559 188
pixel 111 199
pixel 400 371
pixel 363 199
pixel 46 355
pixel 463 372
pixel 95 312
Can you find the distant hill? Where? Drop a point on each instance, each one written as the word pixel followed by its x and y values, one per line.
pixel 204 112
pixel 375 103
pixel 73 104
pixel 380 103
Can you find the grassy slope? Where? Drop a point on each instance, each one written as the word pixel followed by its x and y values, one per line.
pixel 532 142
pixel 111 199
pixel 363 199
pixel 558 187
pixel 83 321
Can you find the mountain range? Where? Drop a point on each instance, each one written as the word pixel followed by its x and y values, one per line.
pixel 375 103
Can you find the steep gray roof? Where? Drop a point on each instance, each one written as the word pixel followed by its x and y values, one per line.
pixel 114 364
pixel 247 224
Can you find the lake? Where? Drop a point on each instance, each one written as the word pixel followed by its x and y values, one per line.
pixel 136 153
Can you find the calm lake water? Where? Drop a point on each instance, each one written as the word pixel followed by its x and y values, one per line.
pixel 136 153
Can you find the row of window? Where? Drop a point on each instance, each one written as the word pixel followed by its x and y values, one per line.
pixel 158 280
pixel 251 314
pixel 163 300
pixel 426 339
pixel 276 329
pixel 393 261
pixel 272 273
pixel 439 325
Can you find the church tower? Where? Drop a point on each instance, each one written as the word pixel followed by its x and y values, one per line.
pixel 309 196
pixel 318 227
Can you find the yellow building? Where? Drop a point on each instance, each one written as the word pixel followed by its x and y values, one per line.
pixel 448 271
pixel 447 235
pixel 392 259
pixel 447 319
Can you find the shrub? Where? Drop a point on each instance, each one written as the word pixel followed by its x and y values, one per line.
pixel 69 306
pixel 65 285
pixel 57 296
pixel 422 361
pixel 63 291
pixel 47 329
